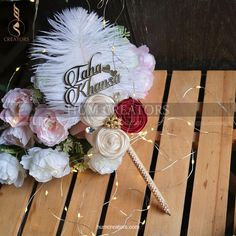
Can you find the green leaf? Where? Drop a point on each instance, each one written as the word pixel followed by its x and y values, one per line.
pixel 80 167
pixel 123 31
pixel 38 97
pixel 12 150
pixel 75 147
pixel 3 88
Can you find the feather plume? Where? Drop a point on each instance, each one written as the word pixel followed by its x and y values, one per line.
pixel 75 37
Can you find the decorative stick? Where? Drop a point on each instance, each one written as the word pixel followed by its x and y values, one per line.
pixel 152 186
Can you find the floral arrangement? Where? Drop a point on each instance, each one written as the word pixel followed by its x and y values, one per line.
pixel 46 136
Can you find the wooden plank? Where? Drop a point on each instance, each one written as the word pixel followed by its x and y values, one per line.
pixel 129 178
pixel 176 142
pixel 196 139
pixel 47 205
pixel 12 206
pixel 210 191
pixel 86 204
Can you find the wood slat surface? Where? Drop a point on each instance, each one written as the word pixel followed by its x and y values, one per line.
pixel 84 194
pixel 12 206
pixel 176 142
pixel 86 204
pixel 48 202
pixel 210 191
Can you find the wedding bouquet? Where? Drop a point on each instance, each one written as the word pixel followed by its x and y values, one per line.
pixel 88 79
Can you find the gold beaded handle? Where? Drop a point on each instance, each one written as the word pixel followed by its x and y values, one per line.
pixel 152 186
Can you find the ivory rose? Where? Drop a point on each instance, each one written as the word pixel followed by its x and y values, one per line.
pixel 11 172
pixel 101 164
pixel 17 104
pixel 112 143
pixel 44 164
pixel 96 110
pixel 50 126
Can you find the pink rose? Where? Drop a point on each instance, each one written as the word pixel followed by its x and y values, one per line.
pixel 145 81
pixel 50 126
pixel 144 77
pixel 146 60
pixel 19 136
pixel 17 106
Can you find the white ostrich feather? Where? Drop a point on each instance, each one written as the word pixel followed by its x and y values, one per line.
pixel 75 38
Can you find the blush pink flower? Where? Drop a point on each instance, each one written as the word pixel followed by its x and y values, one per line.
pixel 19 136
pixel 146 60
pixel 17 104
pixel 50 126
pixel 141 76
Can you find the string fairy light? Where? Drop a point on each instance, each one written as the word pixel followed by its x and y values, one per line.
pixel 174 162
pixel 212 94
pixel 89 7
pixel 32 197
pixel 141 136
pixel 70 221
pixel 36 5
pixel 129 217
pixel 12 76
pixel 46 193
pixel 183 181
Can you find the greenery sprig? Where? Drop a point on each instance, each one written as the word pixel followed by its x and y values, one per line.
pixel 77 149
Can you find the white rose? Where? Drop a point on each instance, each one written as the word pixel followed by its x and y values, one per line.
pixel 96 110
pixel 101 164
pixel 11 172
pixel 43 164
pixel 112 143
pixel 19 136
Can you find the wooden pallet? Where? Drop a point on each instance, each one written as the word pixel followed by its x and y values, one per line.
pixel 196 187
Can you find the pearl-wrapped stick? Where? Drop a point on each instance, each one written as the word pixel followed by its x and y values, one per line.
pixel 152 186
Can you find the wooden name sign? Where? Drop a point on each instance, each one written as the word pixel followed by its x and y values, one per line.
pixel 78 81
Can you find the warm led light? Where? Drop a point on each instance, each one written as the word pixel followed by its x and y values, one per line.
pixel 193 161
pixel 15 120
